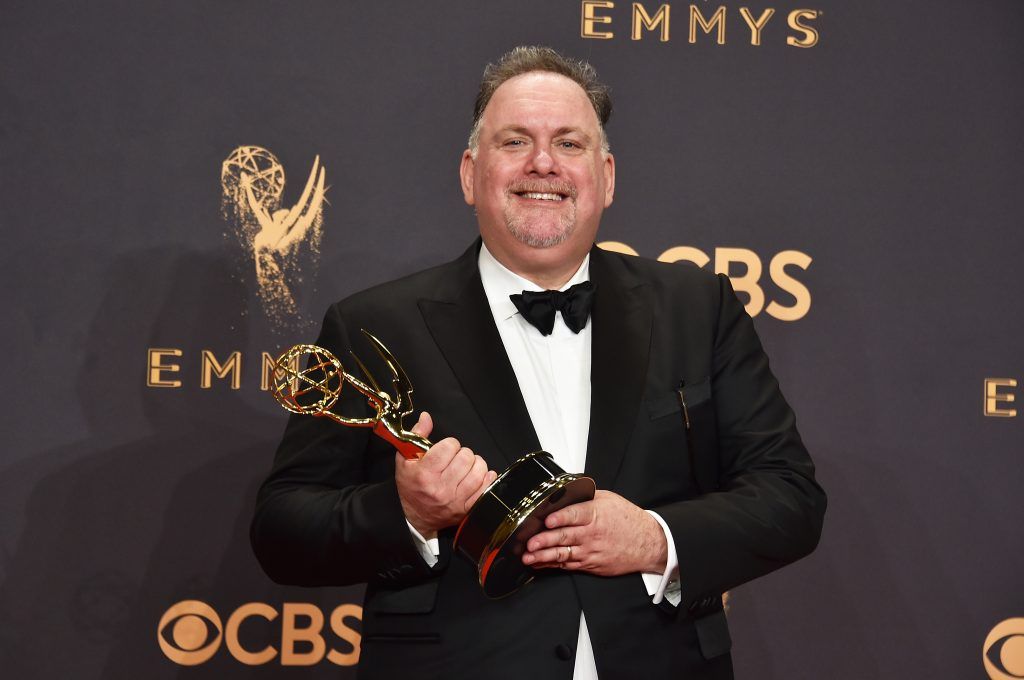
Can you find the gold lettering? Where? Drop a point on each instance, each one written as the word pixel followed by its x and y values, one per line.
pixel 589 19
pixel 777 271
pixel 993 397
pixel 291 633
pixel 266 371
pixel 211 367
pixel 269 373
pixel 810 34
pixel 642 20
pixel 154 362
pixel 698 257
pixel 717 19
pixel 231 634
pixel 617 247
pixel 756 25
pixel 346 633
pixel 747 283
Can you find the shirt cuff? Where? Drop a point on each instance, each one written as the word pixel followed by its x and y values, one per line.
pixel 664 586
pixel 428 548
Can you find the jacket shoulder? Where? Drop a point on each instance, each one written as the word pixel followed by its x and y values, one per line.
pixel 666 277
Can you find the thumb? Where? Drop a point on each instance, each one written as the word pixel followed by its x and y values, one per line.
pixel 424 425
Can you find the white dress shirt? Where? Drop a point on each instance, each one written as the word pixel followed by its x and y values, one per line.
pixel 553 372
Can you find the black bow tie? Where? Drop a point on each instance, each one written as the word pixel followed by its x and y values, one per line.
pixel 539 307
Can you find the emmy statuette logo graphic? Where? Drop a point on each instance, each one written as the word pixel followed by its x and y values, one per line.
pixel 283 242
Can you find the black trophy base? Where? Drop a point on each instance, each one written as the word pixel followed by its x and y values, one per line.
pixel 509 513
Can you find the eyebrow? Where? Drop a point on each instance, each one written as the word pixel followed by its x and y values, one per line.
pixel 519 129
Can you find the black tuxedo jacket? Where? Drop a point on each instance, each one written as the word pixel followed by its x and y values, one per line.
pixel 738 491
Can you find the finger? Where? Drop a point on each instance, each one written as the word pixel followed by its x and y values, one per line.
pixel 458 467
pixel 424 425
pixel 557 555
pixel 489 477
pixel 550 557
pixel 578 514
pixel 441 454
pixel 473 476
pixel 571 565
pixel 554 538
pixel 472 485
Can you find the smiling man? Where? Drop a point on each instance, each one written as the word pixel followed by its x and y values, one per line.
pixel 539 172
pixel 647 377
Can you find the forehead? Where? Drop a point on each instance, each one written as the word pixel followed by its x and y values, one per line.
pixel 540 99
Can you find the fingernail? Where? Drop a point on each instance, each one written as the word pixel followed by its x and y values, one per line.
pixel 528 559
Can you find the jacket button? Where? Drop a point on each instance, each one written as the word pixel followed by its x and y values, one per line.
pixel 563 652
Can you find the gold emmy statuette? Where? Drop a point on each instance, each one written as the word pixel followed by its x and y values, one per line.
pixel 511 510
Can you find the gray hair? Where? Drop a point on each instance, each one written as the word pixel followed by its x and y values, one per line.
pixel 530 58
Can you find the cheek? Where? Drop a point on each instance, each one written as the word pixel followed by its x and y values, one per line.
pixel 494 183
pixel 588 179
pixel 591 194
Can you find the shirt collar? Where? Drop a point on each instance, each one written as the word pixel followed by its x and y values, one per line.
pixel 500 282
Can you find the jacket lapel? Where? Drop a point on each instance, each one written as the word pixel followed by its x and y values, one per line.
pixel 622 317
pixel 461 323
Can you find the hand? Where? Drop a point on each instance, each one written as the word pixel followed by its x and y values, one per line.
pixel 439 489
pixel 609 536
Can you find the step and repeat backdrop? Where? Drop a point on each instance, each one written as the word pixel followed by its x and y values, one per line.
pixel 186 186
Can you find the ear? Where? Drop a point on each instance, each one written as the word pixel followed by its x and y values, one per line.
pixel 466 169
pixel 609 178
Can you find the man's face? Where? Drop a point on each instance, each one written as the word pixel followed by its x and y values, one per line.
pixel 540 179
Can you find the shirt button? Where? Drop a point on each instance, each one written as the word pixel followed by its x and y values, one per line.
pixel 563 652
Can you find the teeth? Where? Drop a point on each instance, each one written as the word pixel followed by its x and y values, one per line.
pixel 542 197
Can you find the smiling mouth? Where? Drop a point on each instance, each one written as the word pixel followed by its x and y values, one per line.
pixel 550 192
pixel 541 196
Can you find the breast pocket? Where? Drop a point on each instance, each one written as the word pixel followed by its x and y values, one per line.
pixel 693 405
pixel 694 394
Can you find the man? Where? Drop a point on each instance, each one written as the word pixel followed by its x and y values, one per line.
pixel 662 395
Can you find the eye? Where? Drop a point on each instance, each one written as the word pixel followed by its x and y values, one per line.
pixel 569 145
pixel 514 142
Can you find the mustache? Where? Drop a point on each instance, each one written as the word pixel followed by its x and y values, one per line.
pixel 541 186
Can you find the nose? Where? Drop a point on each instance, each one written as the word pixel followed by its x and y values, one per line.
pixel 542 162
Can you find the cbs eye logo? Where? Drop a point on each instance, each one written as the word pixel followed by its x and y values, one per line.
pixel 194 635
pixel 1003 651
pixel 191 632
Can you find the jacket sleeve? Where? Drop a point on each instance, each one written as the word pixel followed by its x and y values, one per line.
pixel 766 509
pixel 329 512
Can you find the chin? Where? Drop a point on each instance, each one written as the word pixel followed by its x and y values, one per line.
pixel 540 236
